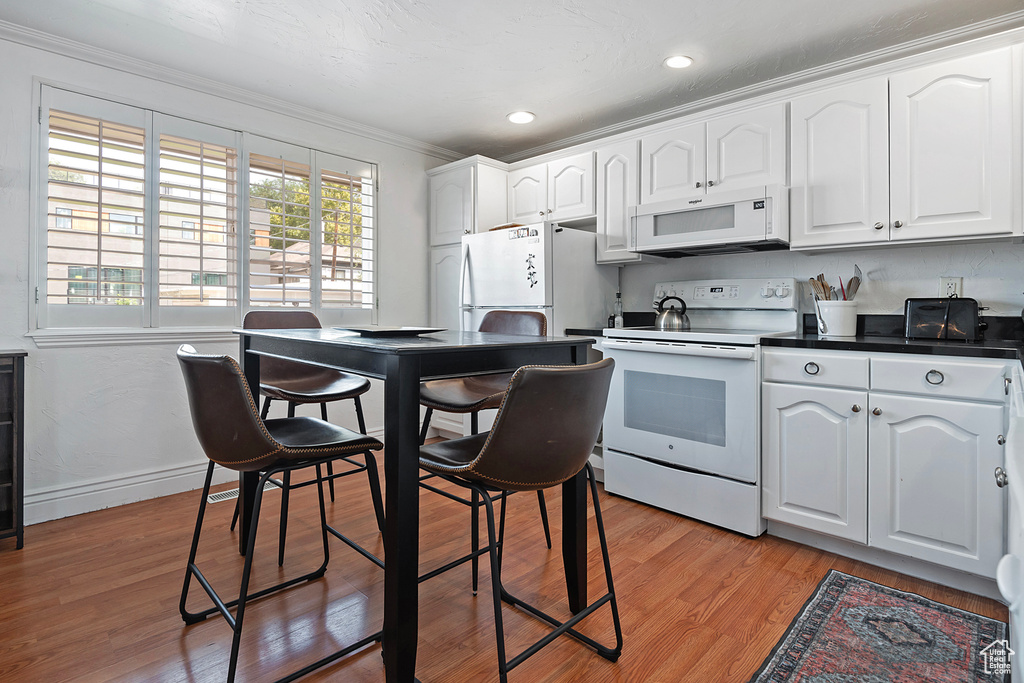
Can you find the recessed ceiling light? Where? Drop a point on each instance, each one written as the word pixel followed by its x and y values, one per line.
pixel 521 117
pixel 678 62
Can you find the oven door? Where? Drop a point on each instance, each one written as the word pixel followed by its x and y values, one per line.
pixel 686 404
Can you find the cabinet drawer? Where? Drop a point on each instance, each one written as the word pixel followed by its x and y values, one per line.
pixel 813 366
pixel 942 377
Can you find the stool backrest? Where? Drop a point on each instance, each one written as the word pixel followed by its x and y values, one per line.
pixel 223 412
pixel 515 322
pixel 273 370
pixel 546 427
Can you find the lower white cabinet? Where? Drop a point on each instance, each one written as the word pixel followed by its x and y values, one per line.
pixel 902 466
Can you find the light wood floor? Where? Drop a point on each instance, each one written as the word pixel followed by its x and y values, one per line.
pixel 94 597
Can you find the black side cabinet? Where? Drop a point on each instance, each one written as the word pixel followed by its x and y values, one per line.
pixel 12 445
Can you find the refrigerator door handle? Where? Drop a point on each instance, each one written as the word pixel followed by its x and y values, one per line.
pixel 462 282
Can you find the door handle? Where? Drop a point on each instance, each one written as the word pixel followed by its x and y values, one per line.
pixel 1001 478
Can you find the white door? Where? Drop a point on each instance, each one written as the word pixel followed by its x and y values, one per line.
pixel 570 187
pixel 527 194
pixel 951 131
pixel 814 448
pixel 747 149
pixel 444 286
pixel 451 206
pixel 506 268
pixel 618 186
pixel 840 191
pixel 930 481
pixel 673 164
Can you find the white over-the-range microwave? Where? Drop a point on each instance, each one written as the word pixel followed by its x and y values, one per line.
pixel 750 219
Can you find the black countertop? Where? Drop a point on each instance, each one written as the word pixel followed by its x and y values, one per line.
pixel 883 334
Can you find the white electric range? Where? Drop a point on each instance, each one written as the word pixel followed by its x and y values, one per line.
pixel 682 426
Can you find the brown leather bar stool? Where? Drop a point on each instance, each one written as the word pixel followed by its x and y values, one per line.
pixel 543 435
pixel 481 392
pixel 301 383
pixel 233 435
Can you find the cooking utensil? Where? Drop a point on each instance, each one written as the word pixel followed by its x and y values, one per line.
pixel 851 287
pixel 670 318
pixel 822 327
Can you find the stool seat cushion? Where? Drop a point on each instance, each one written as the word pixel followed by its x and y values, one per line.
pixel 305 437
pixel 445 457
pixel 465 394
pixel 308 384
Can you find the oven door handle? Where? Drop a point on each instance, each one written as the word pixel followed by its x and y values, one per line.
pixel 740 353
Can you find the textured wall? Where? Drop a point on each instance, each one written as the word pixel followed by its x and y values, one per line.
pixel 993 273
pixel 107 425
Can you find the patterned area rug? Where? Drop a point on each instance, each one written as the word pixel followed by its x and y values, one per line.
pixel 856 631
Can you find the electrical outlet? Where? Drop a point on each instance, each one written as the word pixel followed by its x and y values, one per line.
pixel 951 286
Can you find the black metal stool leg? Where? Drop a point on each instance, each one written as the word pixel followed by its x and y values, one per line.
pixel 330 465
pixel 426 425
pixel 185 615
pixel 266 408
pixel 474 533
pixel 496 589
pixel 544 516
pixel 286 479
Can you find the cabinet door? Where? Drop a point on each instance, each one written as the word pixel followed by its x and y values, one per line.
pixel 527 194
pixel 617 189
pixel 673 164
pixel 931 487
pixel 950 130
pixel 451 205
pixel 747 149
pixel 571 187
pixel 840 190
pixel 815 458
pixel 445 265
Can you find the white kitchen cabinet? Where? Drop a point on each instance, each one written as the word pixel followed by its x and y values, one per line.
pixel 919 156
pixel 445 265
pixel 815 458
pixel 558 190
pixel 739 150
pixel 618 184
pixel 840 166
pixel 931 489
pixel 466 196
pixel 899 458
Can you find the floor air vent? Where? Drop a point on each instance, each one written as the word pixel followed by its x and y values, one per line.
pixel 233 493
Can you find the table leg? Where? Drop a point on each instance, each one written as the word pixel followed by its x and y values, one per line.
pixel 574 539
pixel 247 481
pixel 401 517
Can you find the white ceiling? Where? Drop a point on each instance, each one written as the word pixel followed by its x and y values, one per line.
pixel 446 72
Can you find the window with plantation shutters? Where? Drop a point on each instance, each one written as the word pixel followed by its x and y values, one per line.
pixel 154 221
pixel 95 206
pixel 198 252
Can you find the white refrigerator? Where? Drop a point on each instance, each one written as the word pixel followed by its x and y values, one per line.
pixel 543 267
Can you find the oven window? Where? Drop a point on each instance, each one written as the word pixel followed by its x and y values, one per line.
pixel 695 220
pixel 690 408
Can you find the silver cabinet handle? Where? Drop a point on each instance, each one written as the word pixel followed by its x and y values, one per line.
pixel 1001 440
pixel 928 377
pixel 876 411
pixel 541 213
pixel 879 225
pixel 812 368
pixel 897 224
pixel 855 408
pixel 699 184
pixel 1006 385
pixel 1001 478
pixel 711 183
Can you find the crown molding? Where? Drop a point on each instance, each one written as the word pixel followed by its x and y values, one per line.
pixel 1008 23
pixel 39 40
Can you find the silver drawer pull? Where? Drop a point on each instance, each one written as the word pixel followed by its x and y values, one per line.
pixel 1001 478
pixel 1006 385
pixel 876 411
pixel 931 374
pixel 1001 440
pixel 855 408
pixel 812 368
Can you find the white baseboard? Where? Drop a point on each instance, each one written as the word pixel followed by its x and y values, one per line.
pixel 57 502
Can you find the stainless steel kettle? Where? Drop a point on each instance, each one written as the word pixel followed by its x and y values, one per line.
pixel 670 318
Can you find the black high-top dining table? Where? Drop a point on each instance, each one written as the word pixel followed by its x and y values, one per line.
pixel 403 362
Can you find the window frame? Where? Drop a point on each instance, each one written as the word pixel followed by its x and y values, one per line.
pixel 89 324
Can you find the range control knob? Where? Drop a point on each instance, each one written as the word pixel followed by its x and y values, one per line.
pixel 782 292
pixel 767 292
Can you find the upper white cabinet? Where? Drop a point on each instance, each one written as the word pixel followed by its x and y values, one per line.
pixel 739 150
pixel 919 156
pixel 618 185
pixel 558 190
pixel 466 196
